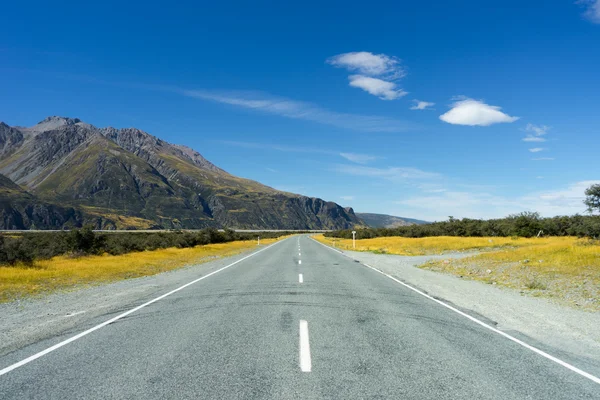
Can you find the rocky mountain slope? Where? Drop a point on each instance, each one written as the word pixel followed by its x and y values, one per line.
pixel 387 221
pixel 22 210
pixel 128 178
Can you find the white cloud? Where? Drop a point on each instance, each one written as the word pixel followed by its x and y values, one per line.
pixel 422 105
pixel 543 159
pixel 347 198
pixel 383 89
pixel 397 174
pixel 376 73
pixel 367 63
pixel 271 170
pixel 536 149
pixel 475 113
pixel 300 110
pixel 460 204
pixel 592 11
pixel 358 158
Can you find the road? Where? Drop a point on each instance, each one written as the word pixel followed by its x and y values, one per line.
pixel 295 321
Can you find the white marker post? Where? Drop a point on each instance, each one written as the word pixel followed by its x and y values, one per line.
pixel 354 240
pixel 258 241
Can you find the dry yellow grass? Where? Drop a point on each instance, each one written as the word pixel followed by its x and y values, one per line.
pixel 66 272
pixel 566 269
pixel 563 268
pixel 426 246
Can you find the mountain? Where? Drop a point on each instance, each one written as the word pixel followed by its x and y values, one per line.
pixel 128 178
pixel 387 221
pixel 22 210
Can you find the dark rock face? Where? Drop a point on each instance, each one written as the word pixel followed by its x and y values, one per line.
pixel 21 210
pixel 110 175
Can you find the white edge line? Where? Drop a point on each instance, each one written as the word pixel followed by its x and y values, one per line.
pixel 305 361
pixel 300 278
pixel 483 324
pixel 118 317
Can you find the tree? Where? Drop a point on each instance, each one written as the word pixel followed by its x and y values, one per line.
pixel 592 198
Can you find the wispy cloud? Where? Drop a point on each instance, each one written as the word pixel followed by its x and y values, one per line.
pixel 358 158
pixel 367 63
pixel 536 133
pixel 422 105
pixel 467 204
pixel 538 130
pixel 397 174
pixel 276 147
pixel 271 170
pixel 592 10
pixel 466 111
pixel 347 198
pixel 301 110
pixel 377 73
pixel 537 139
pixel 536 149
pixel 543 159
pixel 354 157
pixel 385 90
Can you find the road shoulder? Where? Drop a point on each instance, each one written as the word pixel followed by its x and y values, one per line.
pixel 554 325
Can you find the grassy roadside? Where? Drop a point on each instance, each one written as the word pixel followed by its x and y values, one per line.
pixel 563 268
pixel 66 272
pixel 433 245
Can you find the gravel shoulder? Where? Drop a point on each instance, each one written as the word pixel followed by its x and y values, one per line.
pixel 37 318
pixel 551 324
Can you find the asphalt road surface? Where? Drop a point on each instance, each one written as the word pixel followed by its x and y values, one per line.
pixel 296 320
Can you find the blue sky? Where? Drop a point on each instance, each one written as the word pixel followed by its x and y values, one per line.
pixel 417 109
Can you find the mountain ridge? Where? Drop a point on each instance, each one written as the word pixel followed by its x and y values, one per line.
pixel 105 173
pixel 387 221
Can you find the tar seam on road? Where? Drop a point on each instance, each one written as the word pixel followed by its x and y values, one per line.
pixel 110 321
pixel 305 361
pixel 483 324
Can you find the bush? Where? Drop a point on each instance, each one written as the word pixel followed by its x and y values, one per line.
pixel 519 225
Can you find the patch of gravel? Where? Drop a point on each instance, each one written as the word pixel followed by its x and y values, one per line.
pixel 552 324
pixel 27 321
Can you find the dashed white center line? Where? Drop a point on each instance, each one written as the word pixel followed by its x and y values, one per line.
pixel 300 278
pixel 299 254
pixel 305 362
pixel 299 262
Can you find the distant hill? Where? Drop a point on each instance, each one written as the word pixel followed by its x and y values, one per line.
pixel 127 178
pixel 387 221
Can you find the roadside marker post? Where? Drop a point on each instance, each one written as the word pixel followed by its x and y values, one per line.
pixel 354 240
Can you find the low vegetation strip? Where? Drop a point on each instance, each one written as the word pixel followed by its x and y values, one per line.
pixel 67 272
pixel 28 247
pixel 427 246
pixel 563 268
